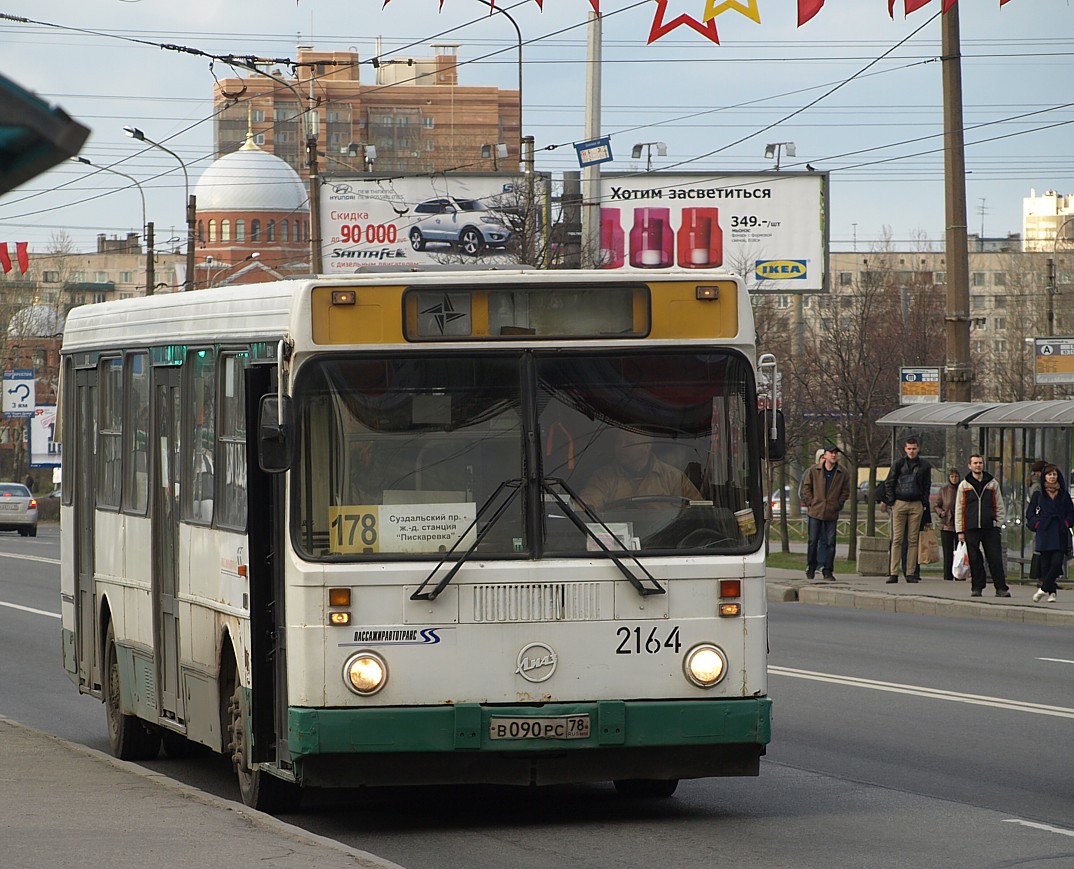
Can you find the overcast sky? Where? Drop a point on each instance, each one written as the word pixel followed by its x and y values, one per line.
pixel 858 93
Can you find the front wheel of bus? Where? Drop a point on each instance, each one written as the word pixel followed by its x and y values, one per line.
pixel 646 788
pixel 129 737
pixel 259 789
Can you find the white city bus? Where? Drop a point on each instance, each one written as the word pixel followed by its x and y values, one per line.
pixel 343 530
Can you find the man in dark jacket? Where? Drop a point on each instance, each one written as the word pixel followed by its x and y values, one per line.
pixel 825 489
pixel 906 492
pixel 979 515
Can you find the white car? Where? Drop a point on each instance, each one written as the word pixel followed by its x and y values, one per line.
pixel 465 224
pixel 18 509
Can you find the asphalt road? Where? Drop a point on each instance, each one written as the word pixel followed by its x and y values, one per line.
pixel 898 741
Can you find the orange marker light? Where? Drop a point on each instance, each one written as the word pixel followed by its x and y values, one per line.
pixel 339 597
pixel 344 297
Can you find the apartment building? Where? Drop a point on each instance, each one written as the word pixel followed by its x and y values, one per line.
pixel 415 117
pixel 1048 221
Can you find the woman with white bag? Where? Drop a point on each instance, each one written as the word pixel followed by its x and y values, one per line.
pixel 944 510
pixel 1050 515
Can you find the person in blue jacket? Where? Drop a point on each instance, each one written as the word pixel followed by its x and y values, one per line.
pixel 1050 515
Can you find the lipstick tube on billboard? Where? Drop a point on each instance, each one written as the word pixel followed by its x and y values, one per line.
pixel 612 241
pixel 651 239
pixel 700 239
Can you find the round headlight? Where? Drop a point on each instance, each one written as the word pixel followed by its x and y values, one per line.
pixel 705 665
pixel 365 673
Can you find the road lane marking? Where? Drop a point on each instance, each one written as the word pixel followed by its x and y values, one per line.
pixel 30 557
pixel 1056 660
pixel 921 691
pixel 29 609
pixel 1046 827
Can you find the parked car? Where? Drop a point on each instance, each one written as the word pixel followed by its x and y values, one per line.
pixel 791 494
pixel 18 509
pixel 464 224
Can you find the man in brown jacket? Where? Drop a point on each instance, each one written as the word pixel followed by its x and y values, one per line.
pixel 825 489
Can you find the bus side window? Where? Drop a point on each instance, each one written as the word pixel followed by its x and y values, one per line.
pixel 201 368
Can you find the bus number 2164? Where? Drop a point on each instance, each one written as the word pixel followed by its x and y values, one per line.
pixel 635 641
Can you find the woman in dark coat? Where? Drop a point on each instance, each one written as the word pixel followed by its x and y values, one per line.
pixel 1050 515
pixel 943 508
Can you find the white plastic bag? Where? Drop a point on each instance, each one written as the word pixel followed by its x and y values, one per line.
pixel 960 562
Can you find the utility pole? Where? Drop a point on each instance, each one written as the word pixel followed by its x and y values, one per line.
pixel 315 205
pixel 958 373
pixel 529 222
pixel 591 174
pixel 150 268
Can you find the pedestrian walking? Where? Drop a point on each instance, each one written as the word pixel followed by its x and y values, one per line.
pixel 906 492
pixel 825 489
pixel 1035 471
pixel 979 515
pixel 29 482
pixel 1050 515
pixel 945 513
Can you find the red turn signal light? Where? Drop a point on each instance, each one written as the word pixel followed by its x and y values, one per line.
pixel 730 588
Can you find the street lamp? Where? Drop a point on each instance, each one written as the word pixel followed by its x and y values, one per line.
pixel 191 203
pixel 518 32
pixel 661 151
pixel 775 149
pixel 147 230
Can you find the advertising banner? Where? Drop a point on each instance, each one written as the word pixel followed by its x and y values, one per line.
pixel 44 451
pixel 772 228
pixel 370 221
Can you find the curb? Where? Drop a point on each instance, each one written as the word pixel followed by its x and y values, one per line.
pixel 918 604
pixel 363 859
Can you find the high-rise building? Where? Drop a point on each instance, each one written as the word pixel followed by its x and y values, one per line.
pixel 416 117
pixel 1047 221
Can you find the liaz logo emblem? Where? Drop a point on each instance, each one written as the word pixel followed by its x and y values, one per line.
pixel 781 269
pixel 536 662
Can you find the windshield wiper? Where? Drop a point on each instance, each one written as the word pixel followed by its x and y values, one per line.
pixel 420 594
pixel 643 589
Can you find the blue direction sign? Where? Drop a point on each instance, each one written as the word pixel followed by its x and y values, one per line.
pixel 20 397
pixel 594 151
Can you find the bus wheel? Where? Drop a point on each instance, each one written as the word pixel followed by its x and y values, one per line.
pixel 646 788
pixel 129 737
pixel 260 790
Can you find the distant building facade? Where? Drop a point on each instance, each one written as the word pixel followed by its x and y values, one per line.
pixel 1048 221
pixel 416 118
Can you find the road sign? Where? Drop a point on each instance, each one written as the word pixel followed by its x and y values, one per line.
pixel 594 151
pixel 1053 360
pixel 20 396
pixel 919 386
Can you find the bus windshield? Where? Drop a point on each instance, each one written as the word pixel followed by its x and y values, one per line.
pixel 526 453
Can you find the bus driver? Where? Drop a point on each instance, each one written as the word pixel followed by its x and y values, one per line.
pixel 635 472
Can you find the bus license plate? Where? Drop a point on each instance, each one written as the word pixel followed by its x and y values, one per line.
pixel 560 727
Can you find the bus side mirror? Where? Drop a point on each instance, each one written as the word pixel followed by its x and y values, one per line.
pixel 777 444
pixel 274 434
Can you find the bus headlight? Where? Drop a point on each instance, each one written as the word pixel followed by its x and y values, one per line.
pixel 365 673
pixel 705 665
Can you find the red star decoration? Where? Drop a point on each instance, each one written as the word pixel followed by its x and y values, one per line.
pixel 660 28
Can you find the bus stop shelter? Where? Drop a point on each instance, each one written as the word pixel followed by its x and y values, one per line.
pixel 1010 437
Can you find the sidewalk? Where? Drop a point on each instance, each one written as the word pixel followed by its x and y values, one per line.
pixel 63 804
pixel 931 597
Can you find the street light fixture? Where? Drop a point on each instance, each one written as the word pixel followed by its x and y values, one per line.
pixel 776 149
pixel 661 151
pixel 147 230
pixel 191 203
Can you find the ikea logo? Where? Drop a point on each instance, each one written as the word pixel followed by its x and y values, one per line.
pixel 781 269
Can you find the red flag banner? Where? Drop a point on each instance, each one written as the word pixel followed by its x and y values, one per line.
pixel 22 254
pixel 808 8
pixel 5 257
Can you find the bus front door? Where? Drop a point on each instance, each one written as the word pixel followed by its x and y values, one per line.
pixel 84 501
pixel 166 420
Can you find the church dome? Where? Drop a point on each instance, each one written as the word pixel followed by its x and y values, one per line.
pixel 36 321
pixel 250 179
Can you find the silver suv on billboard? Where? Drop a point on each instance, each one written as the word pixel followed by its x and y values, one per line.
pixel 464 224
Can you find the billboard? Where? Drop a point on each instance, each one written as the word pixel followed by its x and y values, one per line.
pixel 44 451
pixel 371 221
pixel 772 227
